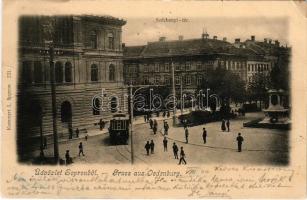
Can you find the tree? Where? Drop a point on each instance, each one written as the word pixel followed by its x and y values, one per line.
pixel 257 88
pixel 225 84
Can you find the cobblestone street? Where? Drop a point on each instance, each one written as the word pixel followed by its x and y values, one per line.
pixel 260 146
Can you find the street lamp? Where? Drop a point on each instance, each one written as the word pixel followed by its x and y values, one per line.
pixel 200 99
pixel 150 96
pixel 174 94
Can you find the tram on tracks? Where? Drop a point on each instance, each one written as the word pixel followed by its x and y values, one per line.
pixel 119 129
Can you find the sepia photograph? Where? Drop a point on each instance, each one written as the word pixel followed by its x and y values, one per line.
pixel 101 89
pixel 156 99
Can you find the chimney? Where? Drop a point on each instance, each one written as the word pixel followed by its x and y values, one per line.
pixel 277 43
pixel 253 38
pixel 270 41
pixel 162 39
pixel 265 40
pixel 215 37
pixel 180 37
pixel 205 35
pixel 224 39
pixel 237 40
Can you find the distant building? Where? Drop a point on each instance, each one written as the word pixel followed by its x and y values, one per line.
pixel 87 57
pixel 151 63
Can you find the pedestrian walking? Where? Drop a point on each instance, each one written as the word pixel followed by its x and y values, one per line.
pixel 165 144
pixel 166 127
pixel 182 156
pixel 228 125
pixel 147 147
pixel 145 118
pixel 168 114
pixel 81 149
pixel 240 140
pixel 164 114
pixel 204 135
pixel 155 123
pixel 223 127
pixel 77 132
pixel 67 157
pixel 101 124
pixel 186 135
pixel 86 136
pixel 175 150
pixel 154 130
pixel 152 146
pixel 150 123
pixel 70 133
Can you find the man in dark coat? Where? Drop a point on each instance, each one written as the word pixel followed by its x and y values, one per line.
pixel 240 140
pixel 77 132
pixel 166 127
pixel 186 132
pixel 101 124
pixel 165 144
pixel 182 156
pixel 223 127
pixel 81 149
pixel 147 147
pixel 154 129
pixel 175 150
pixel 67 157
pixel 228 125
pixel 152 146
pixel 151 123
pixel 204 135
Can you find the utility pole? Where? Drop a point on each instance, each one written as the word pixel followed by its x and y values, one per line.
pixel 181 97
pixel 131 123
pixel 54 110
pixel 174 95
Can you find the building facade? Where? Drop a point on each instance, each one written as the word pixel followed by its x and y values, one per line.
pixel 152 63
pixel 88 59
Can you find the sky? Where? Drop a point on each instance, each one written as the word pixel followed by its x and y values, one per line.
pixel 139 31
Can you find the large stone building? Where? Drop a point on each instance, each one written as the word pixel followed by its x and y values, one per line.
pixel 152 63
pixel 87 59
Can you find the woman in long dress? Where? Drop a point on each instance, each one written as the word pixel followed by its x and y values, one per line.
pixel 223 127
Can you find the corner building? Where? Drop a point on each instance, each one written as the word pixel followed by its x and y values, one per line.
pixel 87 59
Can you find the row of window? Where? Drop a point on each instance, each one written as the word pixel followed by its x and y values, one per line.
pixel 185 80
pixel 32 72
pixel 95 72
pixel 258 67
pixel 166 67
pixel 234 65
pixel 94 38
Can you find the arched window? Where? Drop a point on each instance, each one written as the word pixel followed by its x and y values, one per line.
pixel 38 72
pixel 96 106
pixel 114 104
pixel 94 72
pixel 111 72
pixel 58 72
pixel 111 41
pixel 68 72
pixel 66 113
pixel 93 39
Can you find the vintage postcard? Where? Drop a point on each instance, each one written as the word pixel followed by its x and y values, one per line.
pixel 157 99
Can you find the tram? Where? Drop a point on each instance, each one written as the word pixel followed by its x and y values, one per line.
pixel 119 129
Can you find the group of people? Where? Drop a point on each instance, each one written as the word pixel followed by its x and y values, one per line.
pixel 150 147
pixel 68 159
pixel 153 125
pixel 225 123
